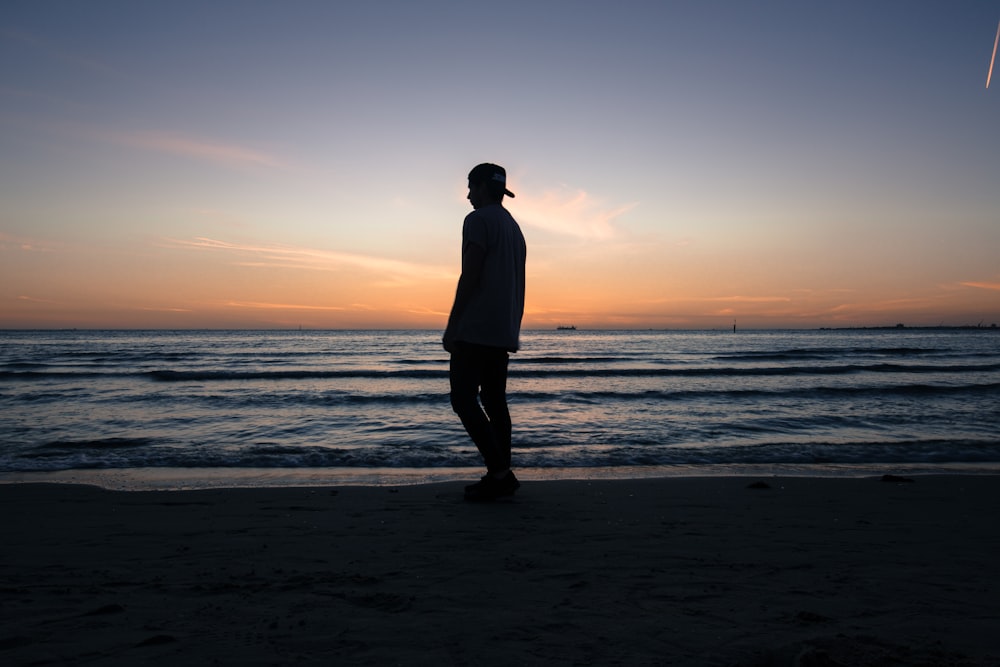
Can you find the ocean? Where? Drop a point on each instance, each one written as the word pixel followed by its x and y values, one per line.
pixel 186 409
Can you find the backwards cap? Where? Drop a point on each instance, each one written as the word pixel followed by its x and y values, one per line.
pixel 490 173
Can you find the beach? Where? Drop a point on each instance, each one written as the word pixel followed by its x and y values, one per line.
pixel 680 571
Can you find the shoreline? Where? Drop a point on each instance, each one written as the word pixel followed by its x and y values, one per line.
pixel 191 479
pixel 713 571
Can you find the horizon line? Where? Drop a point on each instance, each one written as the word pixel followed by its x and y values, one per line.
pixel 991 326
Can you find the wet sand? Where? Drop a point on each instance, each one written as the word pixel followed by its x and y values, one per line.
pixel 679 571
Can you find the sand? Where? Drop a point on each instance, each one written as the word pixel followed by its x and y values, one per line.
pixel 688 571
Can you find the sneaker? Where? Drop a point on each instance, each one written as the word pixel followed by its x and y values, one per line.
pixel 474 488
pixel 490 487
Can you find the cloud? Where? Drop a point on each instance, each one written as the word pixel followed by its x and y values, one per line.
pixel 199 149
pixel 31 299
pixel 569 212
pixel 278 306
pixel 716 299
pixel 990 286
pixel 749 299
pixel 281 256
pixel 9 241
pixel 151 309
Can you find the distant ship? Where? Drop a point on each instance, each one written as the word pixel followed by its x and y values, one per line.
pixel 563 327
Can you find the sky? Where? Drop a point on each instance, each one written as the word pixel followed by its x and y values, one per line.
pixel 677 164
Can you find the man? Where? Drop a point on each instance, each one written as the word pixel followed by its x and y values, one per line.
pixel 485 326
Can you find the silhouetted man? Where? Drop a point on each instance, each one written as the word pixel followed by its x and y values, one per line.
pixel 485 326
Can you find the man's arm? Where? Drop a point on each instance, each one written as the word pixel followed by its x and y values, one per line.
pixel 473 259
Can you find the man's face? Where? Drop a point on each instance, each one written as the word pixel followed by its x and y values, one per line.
pixel 477 194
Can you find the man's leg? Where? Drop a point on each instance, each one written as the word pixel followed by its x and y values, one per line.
pixel 466 376
pixel 494 397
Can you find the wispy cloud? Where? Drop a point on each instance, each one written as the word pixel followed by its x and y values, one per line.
pixel 151 309
pixel 278 306
pixel 749 299
pixel 31 299
pixel 9 241
pixel 570 212
pixel 199 149
pixel 980 285
pixel 686 300
pixel 281 256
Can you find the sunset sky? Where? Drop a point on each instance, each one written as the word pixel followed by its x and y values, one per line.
pixel 680 164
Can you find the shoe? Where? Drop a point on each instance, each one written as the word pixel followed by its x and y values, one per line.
pixel 489 487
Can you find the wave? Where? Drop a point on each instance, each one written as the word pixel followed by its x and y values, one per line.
pixel 90 454
pixel 519 371
pixel 601 396
pixel 202 376
pixel 59 375
pixel 828 353
pixel 927 390
pixel 594 396
pixel 97 444
pixel 575 360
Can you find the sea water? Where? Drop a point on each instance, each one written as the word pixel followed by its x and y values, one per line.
pixel 373 405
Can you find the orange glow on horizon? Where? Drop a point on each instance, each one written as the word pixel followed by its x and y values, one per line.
pixel 317 305
pixel 206 283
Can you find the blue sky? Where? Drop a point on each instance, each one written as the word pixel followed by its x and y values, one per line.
pixel 677 164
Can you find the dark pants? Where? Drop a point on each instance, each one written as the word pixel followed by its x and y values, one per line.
pixel 479 373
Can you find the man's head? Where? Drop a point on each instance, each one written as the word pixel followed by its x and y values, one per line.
pixel 487 185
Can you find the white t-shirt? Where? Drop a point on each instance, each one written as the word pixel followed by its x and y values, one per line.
pixel 493 315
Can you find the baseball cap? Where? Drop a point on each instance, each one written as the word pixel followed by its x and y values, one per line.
pixel 490 173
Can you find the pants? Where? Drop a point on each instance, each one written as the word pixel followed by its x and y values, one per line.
pixel 479 373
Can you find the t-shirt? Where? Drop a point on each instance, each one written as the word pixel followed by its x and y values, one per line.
pixel 493 315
